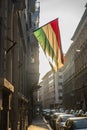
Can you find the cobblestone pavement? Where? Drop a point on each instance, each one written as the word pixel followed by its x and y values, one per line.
pixel 39 123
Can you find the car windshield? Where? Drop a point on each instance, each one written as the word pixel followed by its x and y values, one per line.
pixel 64 118
pixel 80 124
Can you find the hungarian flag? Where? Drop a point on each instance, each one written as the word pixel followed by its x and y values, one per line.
pixel 48 37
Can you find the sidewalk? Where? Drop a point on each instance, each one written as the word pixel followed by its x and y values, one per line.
pixel 39 123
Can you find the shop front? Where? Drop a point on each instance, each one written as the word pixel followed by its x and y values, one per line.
pixel 6 90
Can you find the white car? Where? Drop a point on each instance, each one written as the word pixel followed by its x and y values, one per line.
pixel 61 120
pixel 75 123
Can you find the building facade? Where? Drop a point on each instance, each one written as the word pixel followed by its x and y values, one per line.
pixel 68 81
pixel 50 92
pixel 74 86
pixel 80 40
pixel 47 90
pixel 16 71
pixel 58 88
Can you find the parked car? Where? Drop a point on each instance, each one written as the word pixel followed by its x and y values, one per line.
pixel 53 119
pixel 72 111
pixel 76 112
pixel 85 114
pixel 67 111
pixel 75 123
pixel 61 120
pixel 52 111
pixel 46 113
pixel 80 112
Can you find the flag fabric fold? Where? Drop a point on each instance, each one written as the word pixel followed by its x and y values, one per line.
pixel 48 37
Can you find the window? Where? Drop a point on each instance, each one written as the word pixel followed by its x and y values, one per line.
pixel 32 59
pixel 60 90
pixel 60 83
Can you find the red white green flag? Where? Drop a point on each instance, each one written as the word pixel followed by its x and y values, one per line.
pixel 49 38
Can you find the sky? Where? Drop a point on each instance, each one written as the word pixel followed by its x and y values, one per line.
pixel 69 13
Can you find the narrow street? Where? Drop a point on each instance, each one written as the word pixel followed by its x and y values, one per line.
pixel 26 88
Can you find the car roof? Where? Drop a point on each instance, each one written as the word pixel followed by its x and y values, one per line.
pixel 77 118
pixel 57 113
pixel 66 115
